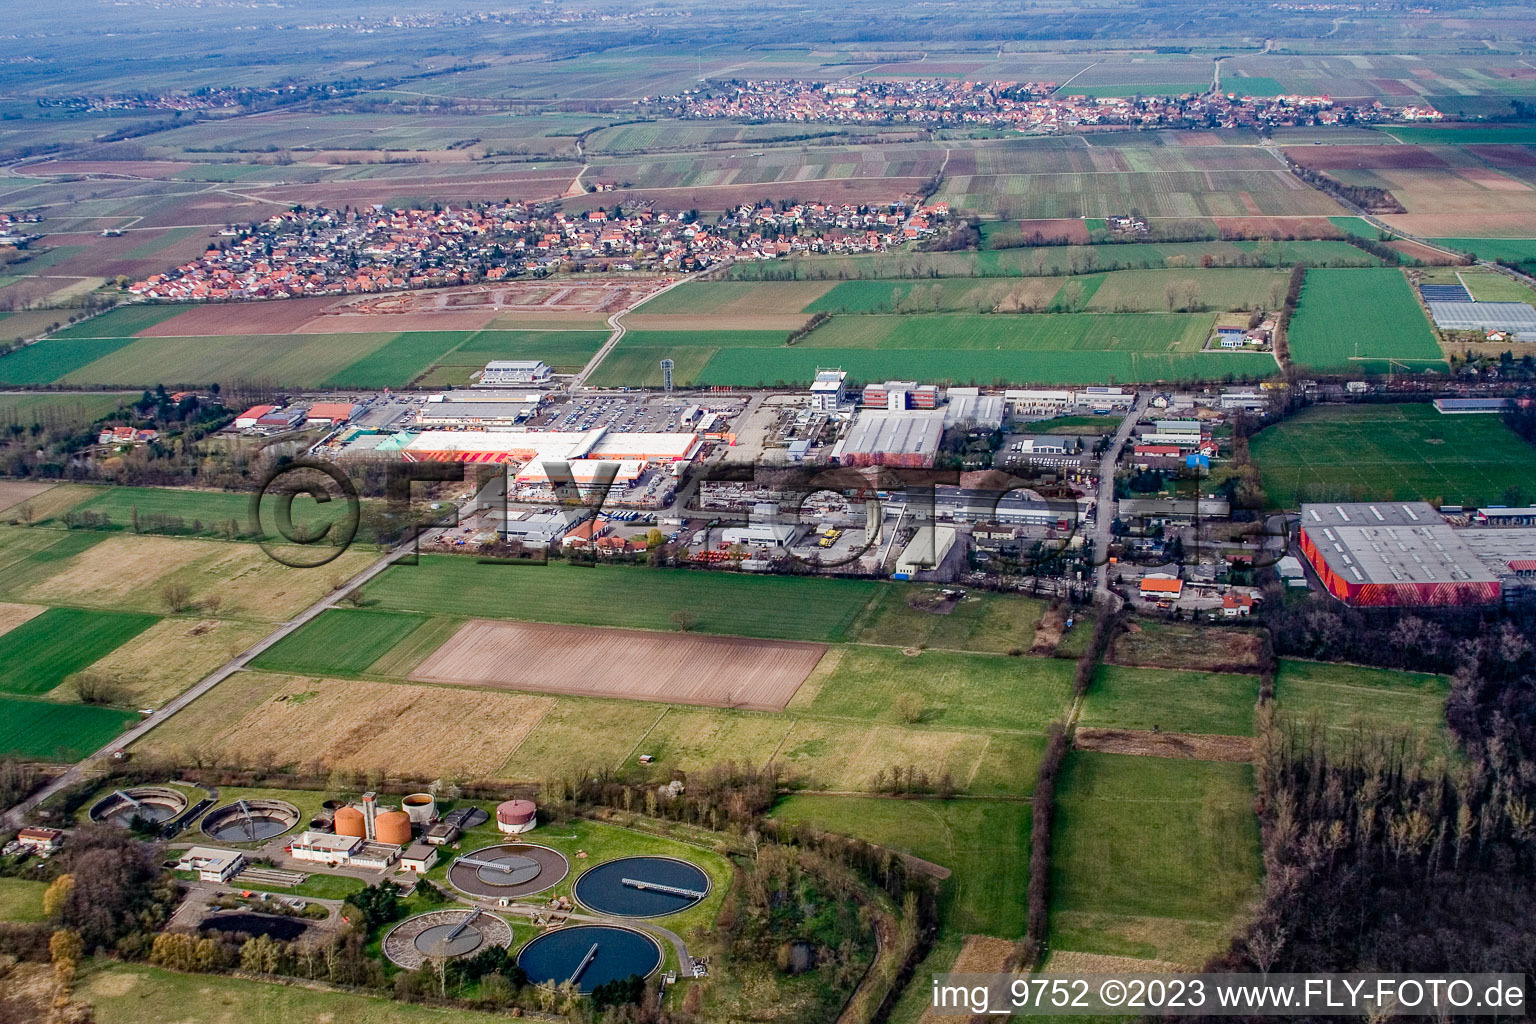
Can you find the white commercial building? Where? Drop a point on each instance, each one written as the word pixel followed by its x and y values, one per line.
pixel 211 863
pixel 1030 401
pixel 828 389
pixel 501 372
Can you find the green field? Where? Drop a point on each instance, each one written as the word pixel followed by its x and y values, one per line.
pixel 1390 453
pixel 60 411
pixel 1171 701
pixel 87 355
pixel 42 652
pixel 123 994
pixel 206 514
pixel 122 322
pixel 1152 857
pixel 1059 259
pixel 339 641
pixel 985 843
pixel 1519 251
pixel 982 622
pixel 953 691
pixel 1342 699
pixel 974 348
pixel 398 361
pixel 47 361
pixel 775 607
pixel 63 732
pixel 1357 319
pixel 21 900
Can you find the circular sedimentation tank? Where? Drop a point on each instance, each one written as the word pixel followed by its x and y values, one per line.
pixel 250 821
pixel 590 955
pixel 642 887
pixel 444 934
pixel 508 870
pixel 153 804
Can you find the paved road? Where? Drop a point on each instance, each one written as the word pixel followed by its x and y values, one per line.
pixel 1104 510
pixel 16 815
pixel 616 322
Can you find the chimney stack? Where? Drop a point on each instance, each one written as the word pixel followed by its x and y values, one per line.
pixel 370 811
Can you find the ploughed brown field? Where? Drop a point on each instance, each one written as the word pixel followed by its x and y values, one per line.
pixel 589 661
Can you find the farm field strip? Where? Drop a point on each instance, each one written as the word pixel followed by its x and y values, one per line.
pixel 1346 316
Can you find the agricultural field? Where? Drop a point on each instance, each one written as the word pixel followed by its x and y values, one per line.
pixel 1357 320
pixel 1125 291
pixel 1168 700
pixel 1158 182
pixel 57 732
pixel 977 348
pixel 1152 857
pixel 937 689
pixel 984 844
pixel 85 356
pixel 340 641
pixel 1341 700
pixel 131 994
pixel 171 655
pixel 1182 645
pixel 1468 187
pixel 1391 453
pixel 771 607
pixel 1058 260
pixel 1485 285
pixel 60 411
pixel 1519 251
pixel 353 724
pixel 732 672
pixel 125 572
pixel 40 653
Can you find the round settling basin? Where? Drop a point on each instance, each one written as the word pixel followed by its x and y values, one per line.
pixel 590 955
pixel 642 887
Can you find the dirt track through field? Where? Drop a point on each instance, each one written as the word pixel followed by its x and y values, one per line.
pixel 714 671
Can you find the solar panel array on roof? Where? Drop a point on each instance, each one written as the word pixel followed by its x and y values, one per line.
pixel 1444 293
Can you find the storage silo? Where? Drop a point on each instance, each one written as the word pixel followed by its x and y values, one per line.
pixel 392 827
pixel 514 816
pixel 349 822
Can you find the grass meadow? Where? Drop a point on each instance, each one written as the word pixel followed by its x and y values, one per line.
pixel 1152 857
pixel 1171 701
pixel 1405 452
pixel 984 843
pixel 1344 699
pixel 132 994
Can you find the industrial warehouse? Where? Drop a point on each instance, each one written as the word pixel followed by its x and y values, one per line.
pixel 1404 554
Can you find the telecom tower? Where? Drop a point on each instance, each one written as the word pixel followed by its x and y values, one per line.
pixel 666 375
